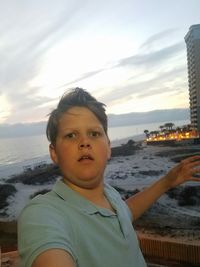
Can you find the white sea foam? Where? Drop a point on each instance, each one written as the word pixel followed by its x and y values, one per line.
pixel 124 172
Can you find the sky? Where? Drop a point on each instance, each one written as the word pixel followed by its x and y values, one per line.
pixel 130 55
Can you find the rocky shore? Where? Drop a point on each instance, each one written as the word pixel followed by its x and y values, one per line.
pixel 132 167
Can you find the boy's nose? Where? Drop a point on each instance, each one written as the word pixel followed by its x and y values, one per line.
pixel 84 143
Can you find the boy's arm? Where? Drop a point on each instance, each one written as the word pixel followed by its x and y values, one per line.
pixel 181 173
pixel 54 258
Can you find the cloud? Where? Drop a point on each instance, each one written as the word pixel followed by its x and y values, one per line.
pixel 158 84
pixel 29 32
pixel 153 58
pixel 149 87
pixel 24 42
pixel 157 38
pixel 22 53
pixel 153 73
pixel 138 63
pixel 84 76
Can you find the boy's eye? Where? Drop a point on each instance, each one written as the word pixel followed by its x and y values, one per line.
pixel 95 134
pixel 70 135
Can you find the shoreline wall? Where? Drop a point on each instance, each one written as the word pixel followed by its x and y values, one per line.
pixel 170 250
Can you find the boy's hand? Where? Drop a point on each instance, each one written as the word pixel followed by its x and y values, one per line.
pixel 183 172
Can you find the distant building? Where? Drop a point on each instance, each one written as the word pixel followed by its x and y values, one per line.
pixel 192 40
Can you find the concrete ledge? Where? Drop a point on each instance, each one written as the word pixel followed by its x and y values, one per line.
pixel 152 247
pixel 170 250
pixel 9 259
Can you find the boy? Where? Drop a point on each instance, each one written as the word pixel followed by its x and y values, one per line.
pixel 83 222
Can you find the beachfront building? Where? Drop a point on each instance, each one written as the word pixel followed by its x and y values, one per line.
pixel 192 40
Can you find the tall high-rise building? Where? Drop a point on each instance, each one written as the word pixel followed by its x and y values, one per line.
pixel 192 40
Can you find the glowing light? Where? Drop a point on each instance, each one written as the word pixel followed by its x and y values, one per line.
pixel 177 136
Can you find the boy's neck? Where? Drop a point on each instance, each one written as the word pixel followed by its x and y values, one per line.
pixel 94 195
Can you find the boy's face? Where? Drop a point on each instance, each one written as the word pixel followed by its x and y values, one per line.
pixel 82 148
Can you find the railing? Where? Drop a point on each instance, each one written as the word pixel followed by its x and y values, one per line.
pixel 171 250
pixel 151 247
pixel 9 259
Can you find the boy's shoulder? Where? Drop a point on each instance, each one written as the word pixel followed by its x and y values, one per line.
pixel 40 204
pixel 111 190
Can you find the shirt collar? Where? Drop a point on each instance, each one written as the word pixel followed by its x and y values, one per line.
pixel 75 199
pixel 120 207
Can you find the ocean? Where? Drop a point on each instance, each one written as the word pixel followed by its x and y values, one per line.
pixel 15 153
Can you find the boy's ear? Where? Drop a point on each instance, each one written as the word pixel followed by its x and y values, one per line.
pixel 52 153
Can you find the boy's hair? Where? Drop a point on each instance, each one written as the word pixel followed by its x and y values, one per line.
pixel 76 97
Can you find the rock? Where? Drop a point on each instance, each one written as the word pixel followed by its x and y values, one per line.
pixel 126 149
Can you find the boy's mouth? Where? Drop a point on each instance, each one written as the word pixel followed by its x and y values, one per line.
pixel 85 157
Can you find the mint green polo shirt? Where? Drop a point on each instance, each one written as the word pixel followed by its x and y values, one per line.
pixel 94 236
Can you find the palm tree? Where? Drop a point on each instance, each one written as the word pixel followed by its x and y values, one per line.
pixel 169 126
pixel 146 133
pixel 154 133
pixel 161 127
pixel 187 128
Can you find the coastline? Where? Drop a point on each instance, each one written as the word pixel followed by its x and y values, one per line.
pixel 129 174
pixel 137 138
